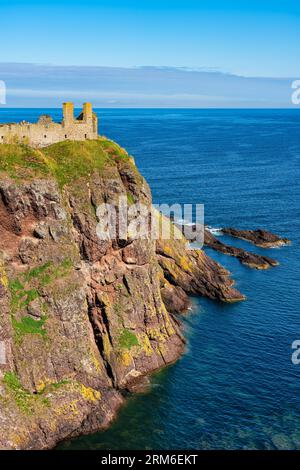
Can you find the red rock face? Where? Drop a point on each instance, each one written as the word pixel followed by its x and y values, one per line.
pixel 82 318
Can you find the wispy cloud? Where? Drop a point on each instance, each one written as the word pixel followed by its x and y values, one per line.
pixel 33 85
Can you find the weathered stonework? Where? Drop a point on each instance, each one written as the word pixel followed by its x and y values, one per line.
pixel 46 132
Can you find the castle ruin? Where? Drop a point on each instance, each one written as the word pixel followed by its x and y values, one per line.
pixel 46 131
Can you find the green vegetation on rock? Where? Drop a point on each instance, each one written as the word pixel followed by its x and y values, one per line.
pixel 130 199
pixel 113 149
pixel 49 272
pixel 22 397
pixel 65 161
pixel 28 326
pixel 72 160
pixel 36 272
pixel 21 161
pixel 20 297
pixel 59 384
pixel 26 401
pixel 26 288
pixel 127 339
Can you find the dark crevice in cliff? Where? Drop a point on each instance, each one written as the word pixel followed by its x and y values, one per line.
pixel 98 320
pixel 162 356
pixel 164 255
pixel 125 282
pixel 5 200
pixel 7 220
pixel 94 205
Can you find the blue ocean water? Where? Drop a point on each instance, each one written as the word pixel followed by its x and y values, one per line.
pixel 235 387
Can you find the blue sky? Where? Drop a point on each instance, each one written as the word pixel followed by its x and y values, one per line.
pixel 249 38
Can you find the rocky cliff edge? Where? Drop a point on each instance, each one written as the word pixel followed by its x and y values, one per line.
pixel 81 319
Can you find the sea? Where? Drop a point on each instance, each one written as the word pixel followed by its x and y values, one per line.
pixel 236 386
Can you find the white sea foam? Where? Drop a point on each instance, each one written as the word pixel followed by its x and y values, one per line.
pixel 215 231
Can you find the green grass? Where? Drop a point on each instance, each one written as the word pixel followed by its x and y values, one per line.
pixel 36 272
pixel 21 161
pixel 66 161
pixel 15 285
pixel 11 380
pixel 20 297
pixel 28 326
pixel 22 398
pixel 60 384
pixel 127 339
pixel 49 272
pixel 73 160
pixel 113 149
pixel 130 199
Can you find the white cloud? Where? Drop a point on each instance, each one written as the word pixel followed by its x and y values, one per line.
pixel 47 85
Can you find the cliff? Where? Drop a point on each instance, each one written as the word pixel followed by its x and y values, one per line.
pixel 82 319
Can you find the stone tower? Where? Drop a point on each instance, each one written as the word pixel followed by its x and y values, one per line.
pixel 87 112
pixel 68 114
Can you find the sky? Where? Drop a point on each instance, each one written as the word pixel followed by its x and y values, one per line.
pixel 241 38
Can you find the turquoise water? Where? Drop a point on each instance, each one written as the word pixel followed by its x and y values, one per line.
pixel 235 387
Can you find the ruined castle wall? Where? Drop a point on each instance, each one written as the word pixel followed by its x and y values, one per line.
pixel 34 134
pixel 41 135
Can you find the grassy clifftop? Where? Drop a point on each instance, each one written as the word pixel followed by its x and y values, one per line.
pixel 65 161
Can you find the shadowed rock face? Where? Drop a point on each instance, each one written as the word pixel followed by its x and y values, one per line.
pixel 258 237
pixel 82 318
pixel 247 258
